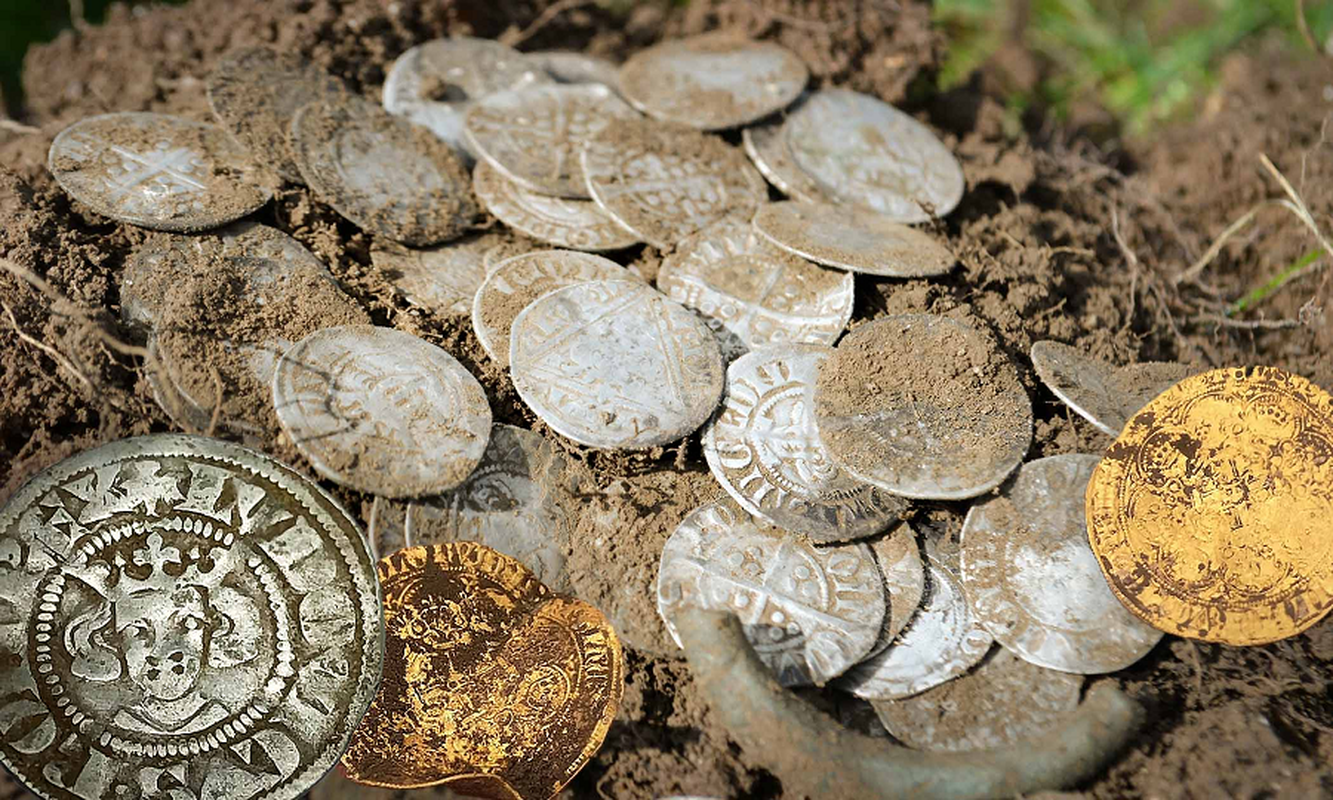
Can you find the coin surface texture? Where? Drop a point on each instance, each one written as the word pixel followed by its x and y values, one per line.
pixel 182 612
pixel 765 142
pixel 852 238
pixel 862 150
pixel 810 613
pixel 923 406
pixel 486 673
pixel 1210 513
pixel 615 364
pixel 561 221
pixel 442 279
pixel 1033 580
pixel 713 81
pixel 569 67
pixel 664 182
pixel 382 411
pixel 765 451
pixel 899 557
pixel 1104 395
pixel 157 171
pixel 753 294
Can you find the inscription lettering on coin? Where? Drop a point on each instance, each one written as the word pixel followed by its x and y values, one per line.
pixel 1104 395
pixel 615 364
pixel 382 411
pixel 442 279
pixel 851 238
pixel 561 221
pixel 810 613
pixel 188 618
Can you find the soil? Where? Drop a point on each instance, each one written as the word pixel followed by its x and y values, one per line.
pixel 1056 240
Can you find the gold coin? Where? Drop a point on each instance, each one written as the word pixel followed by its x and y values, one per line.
pixel 492 685
pixel 1210 515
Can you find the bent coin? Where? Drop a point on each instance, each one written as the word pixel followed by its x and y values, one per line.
pixel 852 238
pixel 1104 395
pixel 561 221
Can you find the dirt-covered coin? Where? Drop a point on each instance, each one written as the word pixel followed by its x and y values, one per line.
pixel 862 150
pixel 765 451
pixel 853 238
pixel 615 364
pixel 175 601
pixel 1104 395
pixel 664 182
pixel 385 174
pixel 713 81
pixel 561 221
pixel 564 66
pixel 923 406
pixel 1209 515
pixel 810 613
pixel 382 411
pixel 1033 580
pixel 442 279
pixel 899 557
pixel 752 293
pixel 158 171
pixel 765 143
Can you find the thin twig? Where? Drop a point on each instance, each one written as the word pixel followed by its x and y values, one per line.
pixel 1303 25
pixel 60 358
pixel 14 126
pixel 1216 247
pixel 64 307
pixel 1251 324
pixel 76 16
pixel 1301 210
pixel 552 11
pixel 217 401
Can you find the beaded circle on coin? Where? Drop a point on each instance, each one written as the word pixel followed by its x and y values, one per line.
pixel 442 279
pixel 1104 395
pixel 1209 514
pixel 241 574
pixel 560 221
pixel 852 238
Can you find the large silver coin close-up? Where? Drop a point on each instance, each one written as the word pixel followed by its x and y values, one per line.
pixel 853 238
pixel 1104 395
pixel 558 221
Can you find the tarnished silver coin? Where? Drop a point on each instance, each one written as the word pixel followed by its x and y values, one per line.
pixel 561 221
pixel 1001 702
pixel 923 406
pixel 713 81
pixel 853 238
pixel 862 150
pixel 943 641
pixel 810 613
pixel 442 279
pixel 185 618
pixel 763 448
pixel 765 143
pixel 1034 581
pixel 899 557
pixel 381 411
pixel 615 364
pixel 565 66
pixel 753 294
pixel 534 135
pixel 158 171
pixel 387 175
pixel 1104 395
pixel 664 182
pixel 516 282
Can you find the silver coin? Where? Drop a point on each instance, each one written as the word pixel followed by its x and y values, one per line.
pixel 615 364
pixel 713 81
pixel 1034 581
pixel 1104 395
pixel 763 448
pixel 810 613
pixel 381 411
pixel 386 175
pixel 561 221
pixel 862 150
pixel 945 417
pixel 666 182
pixel 751 293
pixel 442 279
pixel 516 282
pixel 765 143
pixel 1001 702
pixel 899 557
pixel 386 530
pixel 569 67
pixel 188 618
pixel 943 641
pixel 157 171
pixel 534 135
pixel 855 239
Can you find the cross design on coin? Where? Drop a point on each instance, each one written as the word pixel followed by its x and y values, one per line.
pixel 169 167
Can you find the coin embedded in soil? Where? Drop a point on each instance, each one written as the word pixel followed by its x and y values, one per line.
pixel 442 279
pixel 923 406
pixel 561 221
pixel 1033 579
pixel 158 171
pixel 862 150
pixel 570 67
pixel 245 577
pixel 765 142
pixel 1104 395
pixel 713 81
pixel 852 238
pixel 383 173
pixel 664 182
pixel 615 364
pixel 1210 513
pixel 753 294
pixel 382 411
pixel 486 673
pixel 763 448
pixel 1001 702
pixel 899 557
pixel 255 92
pixel 810 613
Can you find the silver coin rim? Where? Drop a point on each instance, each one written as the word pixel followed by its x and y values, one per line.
pixel 504 199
